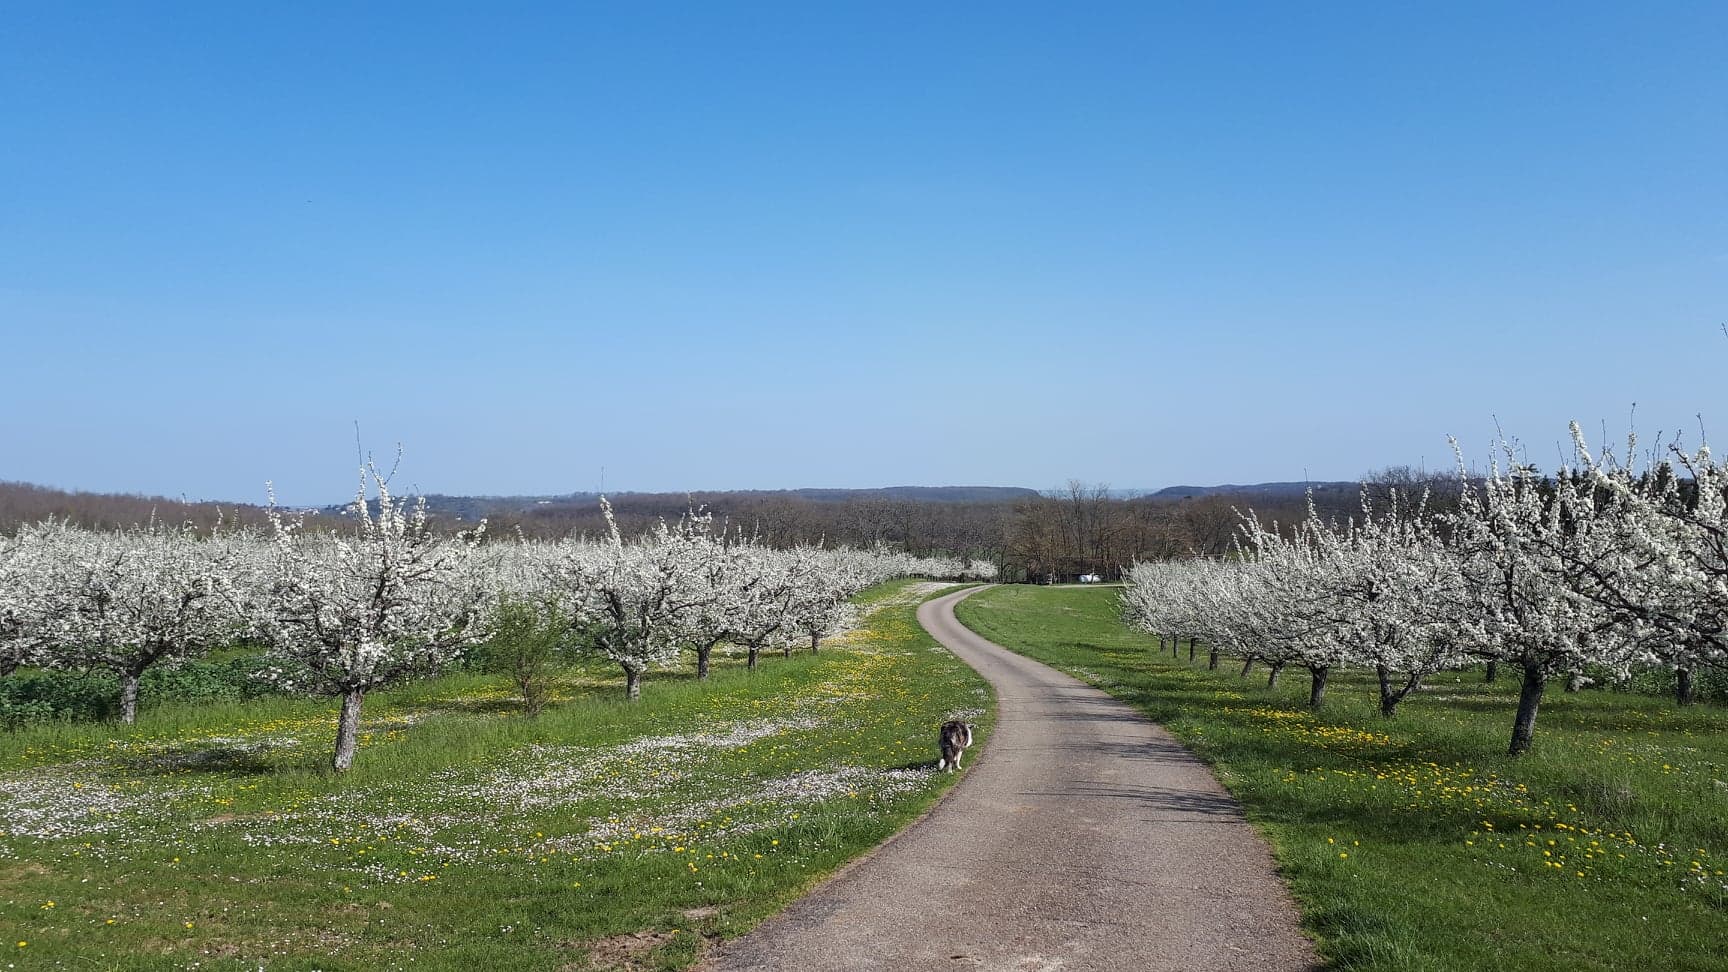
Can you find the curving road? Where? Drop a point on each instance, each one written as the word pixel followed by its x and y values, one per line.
pixel 1084 837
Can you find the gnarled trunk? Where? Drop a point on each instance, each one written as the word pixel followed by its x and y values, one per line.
pixel 750 663
pixel 632 682
pixel 815 643
pixel 1191 651
pixel 1683 686
pixel 1247 663
pixel 702 660
pixel 1272 676
pixel 1390 696
pixel 1317 687
pixel 1529 700
pixel 348 729
pixel 1493 672
pixel 1212 662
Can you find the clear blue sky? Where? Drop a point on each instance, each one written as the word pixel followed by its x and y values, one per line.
pixel 755 246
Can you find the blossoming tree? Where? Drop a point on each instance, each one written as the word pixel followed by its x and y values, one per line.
pixel 125 601
pixel 346 611
pixel 630 596
pixel 20 598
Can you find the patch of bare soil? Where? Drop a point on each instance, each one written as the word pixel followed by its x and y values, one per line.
pixel 622 953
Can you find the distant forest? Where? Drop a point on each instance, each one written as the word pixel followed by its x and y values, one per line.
pixel 1056 535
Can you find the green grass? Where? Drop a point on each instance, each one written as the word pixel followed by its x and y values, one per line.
pixel 1415 843
pixel 466 837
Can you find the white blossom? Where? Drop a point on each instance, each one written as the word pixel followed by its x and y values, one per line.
pixel 349 610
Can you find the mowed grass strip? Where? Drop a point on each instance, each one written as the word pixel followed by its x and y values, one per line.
pixel 603 834
pixel 1415 843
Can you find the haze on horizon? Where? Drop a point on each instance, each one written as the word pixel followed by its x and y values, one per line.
pixel 776 246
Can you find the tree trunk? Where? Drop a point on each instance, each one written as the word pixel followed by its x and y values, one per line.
pixel 533 695
pixel 530 684
pixel 1190 651
pixel 348 730
pixel 702 661
pixel 632 683
pixel 128 697
pixel 1272 676
pixel 751 663
pixel 1317 690
pixel 1389 696
pixel 1161 645
pixel 1247 663
pixel 815 642
pixel 1529 700
pixel 1683 686
pixel 1212 662
pixel 1493 671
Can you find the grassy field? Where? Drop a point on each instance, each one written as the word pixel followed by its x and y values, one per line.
pixel 601 835
pixel 1415 843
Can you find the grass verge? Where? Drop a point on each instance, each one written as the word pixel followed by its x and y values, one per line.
pixel 1415 843
pixel 600 835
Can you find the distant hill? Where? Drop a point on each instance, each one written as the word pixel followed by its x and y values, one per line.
pixel 476 507
pixel 921 494
pixel 1254 489
pixel 825 512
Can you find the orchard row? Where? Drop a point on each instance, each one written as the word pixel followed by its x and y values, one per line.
pixel 381 597
pixel 1606 567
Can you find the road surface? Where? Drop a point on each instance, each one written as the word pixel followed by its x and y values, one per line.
pixel 1084 837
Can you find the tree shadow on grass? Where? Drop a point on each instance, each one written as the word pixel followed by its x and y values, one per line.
pixel 482 706
pixel 1200 807
pixel 237 759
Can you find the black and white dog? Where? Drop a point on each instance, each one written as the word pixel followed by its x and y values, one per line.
pixel 953 740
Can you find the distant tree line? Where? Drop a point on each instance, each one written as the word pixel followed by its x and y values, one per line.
pixel 22 503
pixel 1084 528
pixel 1050 537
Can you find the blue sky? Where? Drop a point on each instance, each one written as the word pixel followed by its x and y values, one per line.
pixel 767 245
